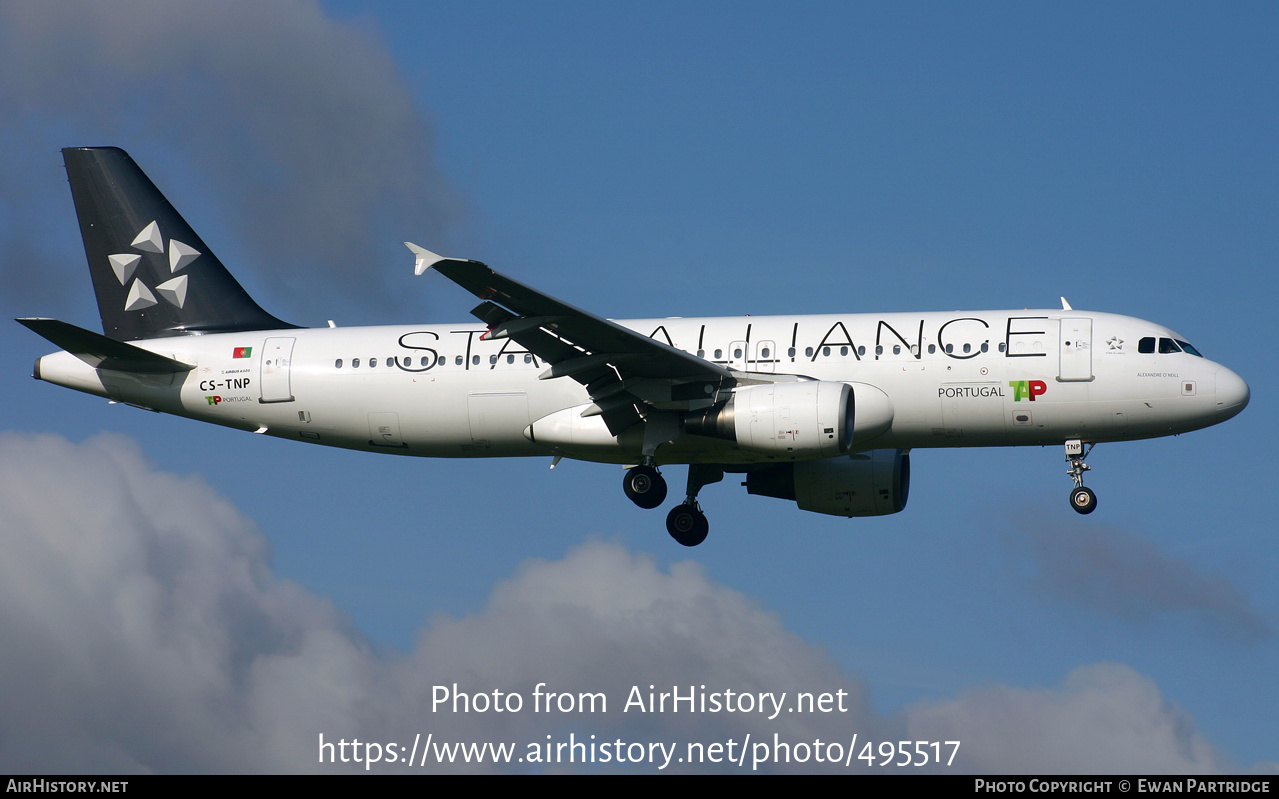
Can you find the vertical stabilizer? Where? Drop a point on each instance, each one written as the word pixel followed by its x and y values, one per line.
pixel 152 274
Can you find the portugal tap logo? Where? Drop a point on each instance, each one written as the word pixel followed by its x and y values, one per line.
pixel 1028 389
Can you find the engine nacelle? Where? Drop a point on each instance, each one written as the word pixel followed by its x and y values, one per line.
pixel 809 419
pixel 874 483
pixel 803 420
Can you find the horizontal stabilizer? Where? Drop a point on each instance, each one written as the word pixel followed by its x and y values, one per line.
pixel 101 352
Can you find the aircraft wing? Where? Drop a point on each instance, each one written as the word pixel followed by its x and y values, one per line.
pixel 624 371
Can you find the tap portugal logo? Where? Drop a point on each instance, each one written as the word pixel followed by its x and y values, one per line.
pixel 1028 389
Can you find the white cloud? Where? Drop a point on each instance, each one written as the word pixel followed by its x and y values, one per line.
pixel 1105 719
pixel 144 631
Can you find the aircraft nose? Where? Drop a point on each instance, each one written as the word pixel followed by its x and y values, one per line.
pixel 1232 393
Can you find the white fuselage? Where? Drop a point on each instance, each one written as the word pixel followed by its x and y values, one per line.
pixel 988 378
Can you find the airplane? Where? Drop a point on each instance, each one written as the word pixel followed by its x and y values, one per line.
pixel 822 410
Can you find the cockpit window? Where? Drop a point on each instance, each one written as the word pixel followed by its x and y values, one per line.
pixel 1167 346
pixel 1189 348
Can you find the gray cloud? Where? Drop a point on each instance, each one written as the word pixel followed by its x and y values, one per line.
pixel 1112 570
pixel 145 631
pixel 297 125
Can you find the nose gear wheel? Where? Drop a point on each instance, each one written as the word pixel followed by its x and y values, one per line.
pixel 1082 499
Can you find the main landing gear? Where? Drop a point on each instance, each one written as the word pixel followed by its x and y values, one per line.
pixel 645 486
pixel 1082 499
pixel 686 523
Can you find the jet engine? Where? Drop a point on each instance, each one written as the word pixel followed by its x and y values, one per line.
pixel 874 483
pixel 807 419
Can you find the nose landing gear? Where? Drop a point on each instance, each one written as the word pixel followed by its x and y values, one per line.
pixel 1082 499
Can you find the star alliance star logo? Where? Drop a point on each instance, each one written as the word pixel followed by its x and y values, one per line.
pixel 1115 343
pixel 174 290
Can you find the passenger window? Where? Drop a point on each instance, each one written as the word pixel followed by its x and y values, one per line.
pixel 1146 346
pixel 492 360
pixel 372 362
pixel 790 353
pixel 475 360
pixel 950 348
pixel 719 354
pixel 932 349
pixel 457 361
pixel 355 363
pixel 968 348
pixel 826 351
pixel 528 358
pixel 808 352
pixel 337 364
pixel 861 350
pixel 510 359
pixel 897 349
pixel 765 352
pixel 737 353
pixel 985 346
pixel 843 351
pixel 701 353
pixel 879 349
pixel 1001 346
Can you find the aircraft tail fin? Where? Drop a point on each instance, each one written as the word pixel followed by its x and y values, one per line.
pixel 152 274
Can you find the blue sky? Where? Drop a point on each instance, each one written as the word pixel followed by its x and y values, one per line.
pixel 684 160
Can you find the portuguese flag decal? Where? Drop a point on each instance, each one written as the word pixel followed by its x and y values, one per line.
pixel 242 352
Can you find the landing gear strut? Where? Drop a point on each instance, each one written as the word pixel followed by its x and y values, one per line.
pixel 686 523
pixel 1083 500
pixel 643 484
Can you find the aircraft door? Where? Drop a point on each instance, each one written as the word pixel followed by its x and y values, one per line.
pixel 273 375
pixel 1076 350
